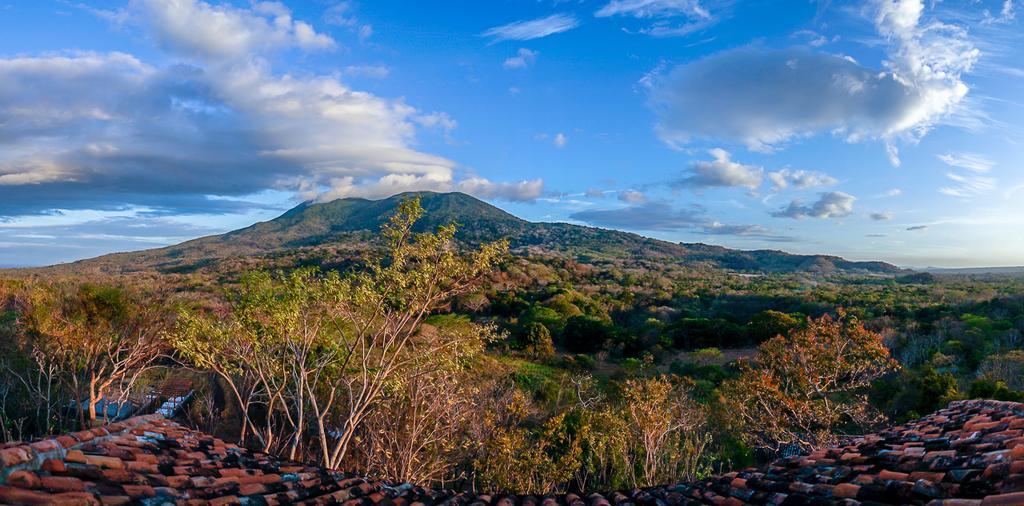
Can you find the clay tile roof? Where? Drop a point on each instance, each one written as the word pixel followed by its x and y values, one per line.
pixel 971 453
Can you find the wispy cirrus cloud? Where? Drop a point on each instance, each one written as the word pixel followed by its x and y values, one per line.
pixel 653 8
pixel 970 181
pixel 532 28
pixel 970 161
pixel 663 18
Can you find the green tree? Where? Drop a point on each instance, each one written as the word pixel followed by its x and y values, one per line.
pixel 586 334
pixel 535 340
pixel 911 393
pixel 768 324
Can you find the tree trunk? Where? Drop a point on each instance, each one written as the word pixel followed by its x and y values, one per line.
pixel 92 399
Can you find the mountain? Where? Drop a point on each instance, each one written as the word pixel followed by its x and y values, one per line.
pixel 325 232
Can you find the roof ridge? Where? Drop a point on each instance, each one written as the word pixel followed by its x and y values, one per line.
pixel 970 453
pixel 30 456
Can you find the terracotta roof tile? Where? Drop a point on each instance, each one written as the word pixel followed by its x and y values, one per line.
pixel 969 454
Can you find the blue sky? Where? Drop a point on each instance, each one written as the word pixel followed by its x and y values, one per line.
pixel 888 129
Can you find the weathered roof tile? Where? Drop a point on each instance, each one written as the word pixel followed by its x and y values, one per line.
pixel 969 454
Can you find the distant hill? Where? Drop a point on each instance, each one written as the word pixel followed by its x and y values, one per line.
pixel 975 270
pixel 351 224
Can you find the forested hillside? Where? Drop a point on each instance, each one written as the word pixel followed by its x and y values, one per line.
pixel 490 355
pixel 337 230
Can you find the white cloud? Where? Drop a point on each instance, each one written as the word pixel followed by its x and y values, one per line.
pixel 102 131
pixel 31 172
pixel 520 191
pixel 653 8
pixel 814 39
pixel 647 216
pixel 722 172
pixel 632 196
pixel 198 29
pixel 969 184
pixel 754 231
pixel 970 161
pixel 343 14
pixel 533 28
pixel 371 71
pixel 1006 14
pixel 560 140
pixel 881 216
pixel 828 205
pixel 892 153
pixel 671 18
pixel 439 120
pixel 799 179
pixel 661 216
pixel 522 59
pixel 766 97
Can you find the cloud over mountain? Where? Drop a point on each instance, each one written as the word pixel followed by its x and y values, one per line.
pixel 661 216
pixel 108 130
pixel 648 216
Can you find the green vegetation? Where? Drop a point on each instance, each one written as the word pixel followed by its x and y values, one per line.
pixel 581 359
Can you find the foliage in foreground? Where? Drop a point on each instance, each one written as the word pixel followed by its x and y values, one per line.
pixel 564 375
pixel 317 353
pixel 803 388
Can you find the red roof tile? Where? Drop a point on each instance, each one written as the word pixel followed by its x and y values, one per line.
pixel 970 454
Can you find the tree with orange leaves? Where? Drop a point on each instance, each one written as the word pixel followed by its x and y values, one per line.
pixel 805 387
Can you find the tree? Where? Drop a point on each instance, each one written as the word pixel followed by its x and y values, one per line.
pixel 693 333
pixel 662 425
pixel 535 341
pixel 585 334
pixel 93 338
pixel 417 432
pixel 1007 367
pixel 768 324
pixel 320 351
pixel 911 393
pixel 800 389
